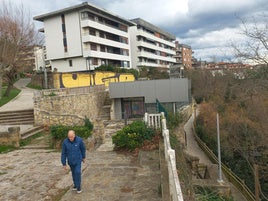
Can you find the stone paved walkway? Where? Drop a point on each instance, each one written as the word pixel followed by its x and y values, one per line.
pixel 37 174
pixel 112 176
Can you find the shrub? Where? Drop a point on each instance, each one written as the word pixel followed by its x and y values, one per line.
pixel 59 132
pixel 173 120
pixel 88 123
pixel 132 136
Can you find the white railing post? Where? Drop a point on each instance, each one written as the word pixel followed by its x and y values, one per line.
pixel 146 118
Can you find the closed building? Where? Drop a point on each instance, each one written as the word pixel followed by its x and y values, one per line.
pixel 133 99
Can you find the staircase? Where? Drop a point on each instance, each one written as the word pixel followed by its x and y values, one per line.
pixel 105 112
pixel 19 117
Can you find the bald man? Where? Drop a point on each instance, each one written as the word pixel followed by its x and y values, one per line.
pixel 73 149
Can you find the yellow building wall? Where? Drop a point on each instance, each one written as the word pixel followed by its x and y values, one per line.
pixel 68 80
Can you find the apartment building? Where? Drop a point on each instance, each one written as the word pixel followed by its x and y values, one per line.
pixel 151 46
pixel 82 37
pixel 183 55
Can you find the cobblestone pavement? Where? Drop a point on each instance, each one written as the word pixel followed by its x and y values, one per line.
pixel 29 174
pixel 37 174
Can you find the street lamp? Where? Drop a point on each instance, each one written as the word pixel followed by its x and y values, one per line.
pixel 219 150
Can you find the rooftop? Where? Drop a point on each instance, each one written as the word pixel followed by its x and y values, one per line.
pixel 83 7
pixel 152 27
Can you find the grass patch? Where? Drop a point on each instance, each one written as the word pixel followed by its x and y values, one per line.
pixel 6 148
pixel 29 139
pixel 206 194
pixel 13 93
pixel 32 86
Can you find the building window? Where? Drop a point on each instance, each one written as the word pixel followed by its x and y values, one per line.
pixel 65 45
pixel 92 32
pixel 123 27
pixel 95 61
pixel 63 27
pixel 101 34
pixel 93 46
pixel 125 52
pixel 102 48
pixel 124 40
pixel 87 15
pixel 62 19
pixel 70 63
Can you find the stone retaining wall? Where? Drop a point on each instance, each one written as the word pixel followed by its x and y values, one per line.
pixel 68 109
pixel 10 137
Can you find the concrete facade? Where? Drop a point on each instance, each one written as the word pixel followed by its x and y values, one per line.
pixel 151 46
pixel 83 37
pixel 140 96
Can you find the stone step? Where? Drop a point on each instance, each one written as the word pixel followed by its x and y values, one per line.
pixel 42 142
pixel 19 117
pixel 17 121
pixel 31 131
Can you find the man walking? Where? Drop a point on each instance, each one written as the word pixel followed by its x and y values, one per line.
pixel 74 150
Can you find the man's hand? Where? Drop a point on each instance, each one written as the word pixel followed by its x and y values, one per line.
pixel 65 167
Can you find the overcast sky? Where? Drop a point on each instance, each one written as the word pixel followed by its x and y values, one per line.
pixel 208 26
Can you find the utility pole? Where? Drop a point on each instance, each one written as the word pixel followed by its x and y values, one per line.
pixel 219 150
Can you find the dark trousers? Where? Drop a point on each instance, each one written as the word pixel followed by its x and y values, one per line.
pixel 76 174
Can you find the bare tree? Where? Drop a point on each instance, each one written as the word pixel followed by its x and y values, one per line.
pixel 255 46
pixel 17 37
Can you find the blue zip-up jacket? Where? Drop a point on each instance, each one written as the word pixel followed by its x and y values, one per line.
pixel 74 151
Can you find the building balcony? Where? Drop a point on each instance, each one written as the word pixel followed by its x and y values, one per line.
pixel 103 27
pixel 103 41
pixel 153 37
pixel 154 47
pixel 105 55
pixel 152 64
pixel 155 56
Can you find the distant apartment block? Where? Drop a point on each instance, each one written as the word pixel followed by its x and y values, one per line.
pixel 39 58
pixel 183 55
pixel 151 46
pixel 83 37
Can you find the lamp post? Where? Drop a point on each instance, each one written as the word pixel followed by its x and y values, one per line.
pixel 219 150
